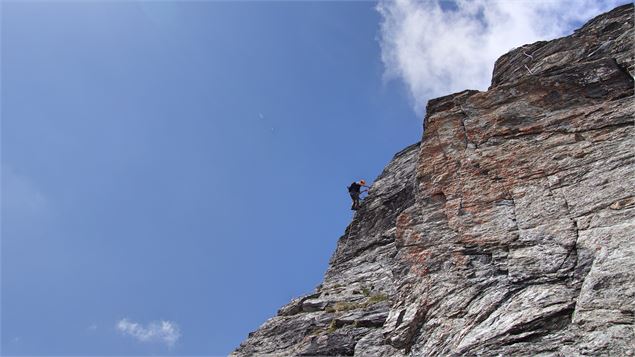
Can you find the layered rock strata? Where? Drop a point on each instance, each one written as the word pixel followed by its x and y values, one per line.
pixel 507 231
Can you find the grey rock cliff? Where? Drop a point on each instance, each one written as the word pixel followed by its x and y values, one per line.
pixel 507 231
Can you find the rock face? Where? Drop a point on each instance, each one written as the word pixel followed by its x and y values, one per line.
pixel 509 230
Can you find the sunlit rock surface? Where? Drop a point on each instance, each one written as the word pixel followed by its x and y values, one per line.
pixel 509 230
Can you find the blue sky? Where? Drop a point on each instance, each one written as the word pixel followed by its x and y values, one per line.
pixel 187 163
pixel 180 162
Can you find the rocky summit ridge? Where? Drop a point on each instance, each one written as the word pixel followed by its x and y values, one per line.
pixel 507 231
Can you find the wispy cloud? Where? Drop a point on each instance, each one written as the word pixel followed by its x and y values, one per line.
pixel 166 332
pixel 20 196
pixel 438 47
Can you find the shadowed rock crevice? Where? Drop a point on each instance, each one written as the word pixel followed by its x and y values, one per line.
pixel 507 231
pixel 534 330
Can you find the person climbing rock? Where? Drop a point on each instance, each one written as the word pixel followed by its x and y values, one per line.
pixel 355 190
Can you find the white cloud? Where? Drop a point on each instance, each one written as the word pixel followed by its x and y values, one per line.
pixel 156 331
pixel 438 47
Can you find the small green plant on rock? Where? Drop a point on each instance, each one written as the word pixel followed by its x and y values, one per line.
pixel 345 306
pixel 377 298
pixel 332 327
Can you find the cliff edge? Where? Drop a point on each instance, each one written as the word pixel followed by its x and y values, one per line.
pixel 507 231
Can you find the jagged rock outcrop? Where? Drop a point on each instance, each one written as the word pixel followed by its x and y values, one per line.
pixel 507 231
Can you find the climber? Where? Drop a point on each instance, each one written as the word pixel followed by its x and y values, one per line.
pixel 355 191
